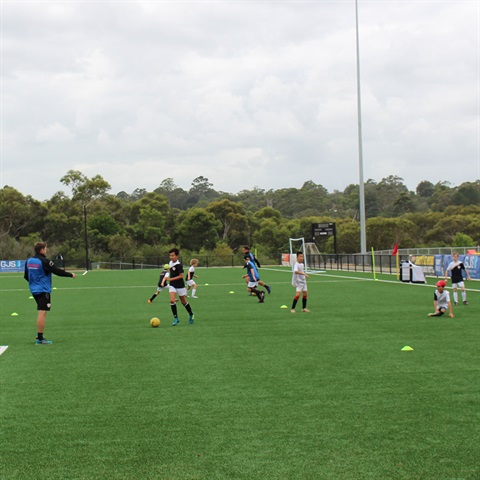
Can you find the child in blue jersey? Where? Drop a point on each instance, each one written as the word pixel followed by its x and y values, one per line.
pixel 38 273
pixel 253 259
pixel 253 278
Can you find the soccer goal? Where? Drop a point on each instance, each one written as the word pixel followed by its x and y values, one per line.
pixel 296 245
pixel 308 249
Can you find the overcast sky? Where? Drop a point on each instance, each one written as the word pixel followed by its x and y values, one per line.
pixel 245 93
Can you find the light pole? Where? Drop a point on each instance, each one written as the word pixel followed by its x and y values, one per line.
pixel 363 234
pixel 86 235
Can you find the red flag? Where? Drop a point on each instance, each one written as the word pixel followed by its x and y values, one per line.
pixel 395 249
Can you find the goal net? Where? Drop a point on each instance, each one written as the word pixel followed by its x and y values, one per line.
pixel 297 245
pixel 308 249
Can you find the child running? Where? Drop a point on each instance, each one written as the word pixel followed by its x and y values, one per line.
pixel 299 281
pixel 253 279
pixel 161 283
pixel 190 277
pixel 441 301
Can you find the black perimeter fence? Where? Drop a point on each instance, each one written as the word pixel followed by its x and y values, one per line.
pixel 381 263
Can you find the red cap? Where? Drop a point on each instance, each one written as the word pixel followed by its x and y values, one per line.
pixel 441 283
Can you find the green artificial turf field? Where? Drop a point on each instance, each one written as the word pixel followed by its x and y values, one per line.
pixel 250 391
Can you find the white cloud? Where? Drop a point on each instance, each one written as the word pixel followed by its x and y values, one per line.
pixel 54 132
pixel 246 94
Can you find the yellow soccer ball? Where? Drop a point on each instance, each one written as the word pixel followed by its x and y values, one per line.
pixel 155 322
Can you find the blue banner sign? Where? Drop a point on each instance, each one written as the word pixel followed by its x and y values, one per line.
pixel 471 262
pixel 12 266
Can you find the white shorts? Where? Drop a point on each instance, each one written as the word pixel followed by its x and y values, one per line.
pixel 301 287
pixel 190 283
pixel 181 292
pixel 252 284
pixel 458 285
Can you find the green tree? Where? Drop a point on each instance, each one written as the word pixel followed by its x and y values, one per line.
pixel 252 200
pixel 467 193
pixel 442 196
pixel 234 223
pixel 121 246
pixel 197 228
pixel 425 189
pixel 17 213
pixel 388 190
pixel 85 189
pixel 383 233
pixel 148 218
pixel 404 203
pixel 101 228
pixel 273 236
pixel 462 240
pixel 201 190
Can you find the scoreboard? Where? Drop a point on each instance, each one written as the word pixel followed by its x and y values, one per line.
pixel 323 229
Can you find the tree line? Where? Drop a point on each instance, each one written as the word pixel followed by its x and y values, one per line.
pixel 202 220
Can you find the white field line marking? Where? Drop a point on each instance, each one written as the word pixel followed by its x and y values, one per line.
pixel 319 276
pixel 3 348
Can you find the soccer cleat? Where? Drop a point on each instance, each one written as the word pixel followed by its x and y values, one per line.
pixel 269 289
pixel 194 296
pixel 455 304
pixel 306 310
pixel 465 302
pixel 191 319
pixel 176 321
pixel 262 297
pixel 44 341
pixel 293 310
pixel 149 301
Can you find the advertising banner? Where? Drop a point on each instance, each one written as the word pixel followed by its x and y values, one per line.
pixel 12 266
pixel 471 262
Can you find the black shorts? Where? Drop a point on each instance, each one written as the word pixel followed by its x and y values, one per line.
pixel 43 301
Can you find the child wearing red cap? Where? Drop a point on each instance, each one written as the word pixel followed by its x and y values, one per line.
pixel 441 301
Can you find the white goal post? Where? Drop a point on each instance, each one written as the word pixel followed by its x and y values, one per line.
pixel 299 245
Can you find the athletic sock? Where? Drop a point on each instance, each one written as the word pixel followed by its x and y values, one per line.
pixel 40 336
pixel 194 291
pixel 464 296
pixel 152 298
pixel 304 302
pixel 294 304
pixel 257 293
pixel 173 306
pixel 188 308
pixel 455 297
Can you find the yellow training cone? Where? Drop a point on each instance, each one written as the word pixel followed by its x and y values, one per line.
pixel 206 284
pixel 283 306
pixel 231 291
pixel 407 349
pixel 30 298
pixel 14 314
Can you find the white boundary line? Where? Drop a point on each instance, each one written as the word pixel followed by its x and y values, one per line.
pixel 284 270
